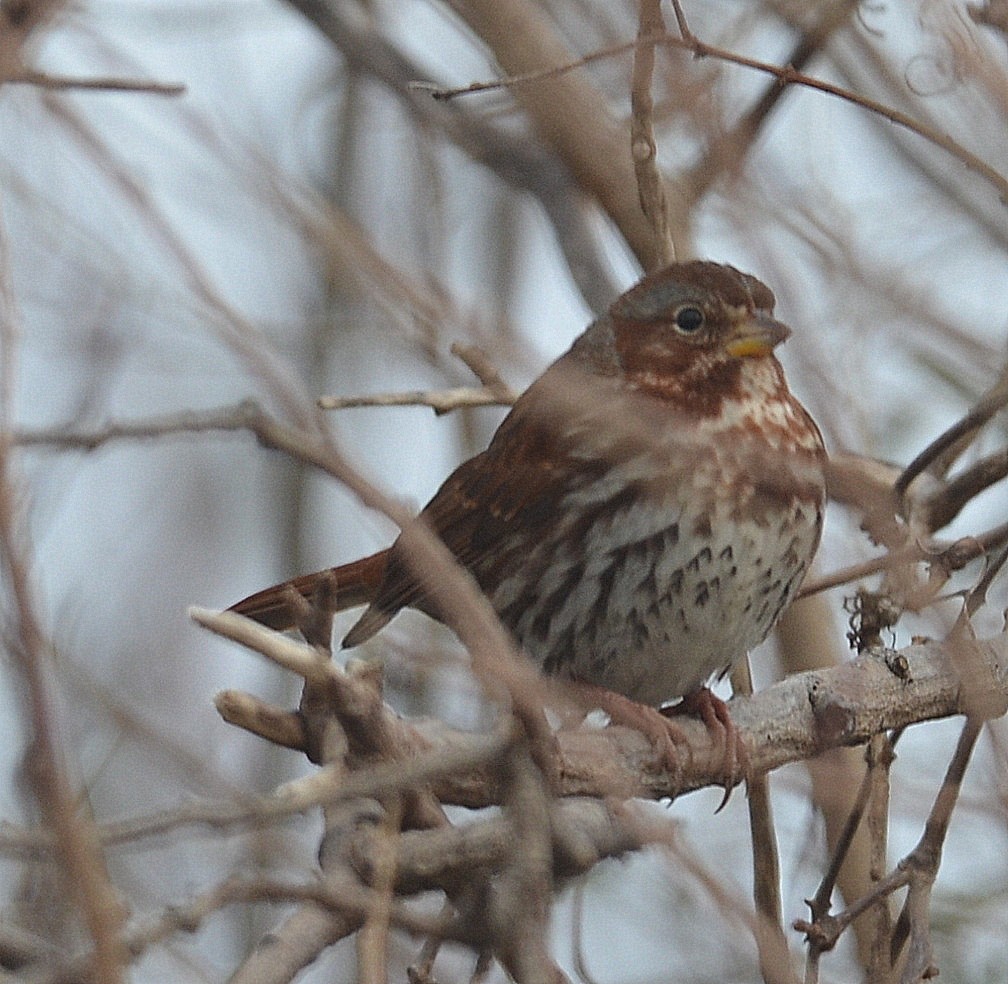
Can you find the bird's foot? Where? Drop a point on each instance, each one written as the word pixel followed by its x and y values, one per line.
pixel 669 741
pixel 714 713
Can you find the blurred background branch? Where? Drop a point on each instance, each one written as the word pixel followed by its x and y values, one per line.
pixel 280 213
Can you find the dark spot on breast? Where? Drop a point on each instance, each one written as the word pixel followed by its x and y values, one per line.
pixel 702 594
pixel 704 557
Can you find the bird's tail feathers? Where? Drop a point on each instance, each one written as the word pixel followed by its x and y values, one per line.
pixel 339 588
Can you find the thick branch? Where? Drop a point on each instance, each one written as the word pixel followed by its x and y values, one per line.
pixel 791 721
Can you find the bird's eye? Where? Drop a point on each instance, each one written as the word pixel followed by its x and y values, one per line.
pixel 689 319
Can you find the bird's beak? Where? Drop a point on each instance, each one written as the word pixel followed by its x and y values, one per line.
pixel 756 334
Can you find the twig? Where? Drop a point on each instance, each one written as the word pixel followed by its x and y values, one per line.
pixel 988 405
pixel 44 80
pixel 770 939
pixel 440 401
pixel 650 184
pixel 731 147
pixel 941 555
pixel 821 903
pixel 283 728
pixel 483 369
pixel 244 416
pixel 921 865
pixel 880 759
pixel 447 94
pixel 372 940
pixel 785 75
pixel 917 871
pixel 493 392
pixel 942 506
pixel 521 896
pixel 977 597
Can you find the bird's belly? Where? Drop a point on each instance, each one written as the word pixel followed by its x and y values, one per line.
pixel 657 617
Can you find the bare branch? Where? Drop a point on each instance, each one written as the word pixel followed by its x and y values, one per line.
pixel 643 151
pixel 791 721
pixel 786 75
pixel 59 83
pixel 440 401
pixel 951 441
pixel 86 876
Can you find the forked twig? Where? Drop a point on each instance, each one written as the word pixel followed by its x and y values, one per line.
pixel 916 871
pixel 785 75
pixel 820 904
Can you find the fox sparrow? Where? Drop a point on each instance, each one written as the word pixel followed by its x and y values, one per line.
pixel 645 511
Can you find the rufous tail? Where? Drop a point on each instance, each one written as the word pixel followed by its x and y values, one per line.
pixel 351 585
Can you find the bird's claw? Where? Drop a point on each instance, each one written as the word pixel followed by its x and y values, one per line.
pixel 714 713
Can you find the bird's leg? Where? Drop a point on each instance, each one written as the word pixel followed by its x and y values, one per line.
pixel 714 713
pixel 666 736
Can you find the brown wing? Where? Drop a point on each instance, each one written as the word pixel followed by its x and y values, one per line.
pixel 516 484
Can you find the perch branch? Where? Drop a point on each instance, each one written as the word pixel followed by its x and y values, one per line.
pixel 791 721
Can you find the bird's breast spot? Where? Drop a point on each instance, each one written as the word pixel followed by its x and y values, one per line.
pixel 703 558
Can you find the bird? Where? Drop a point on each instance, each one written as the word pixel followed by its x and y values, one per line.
pixel 644 513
